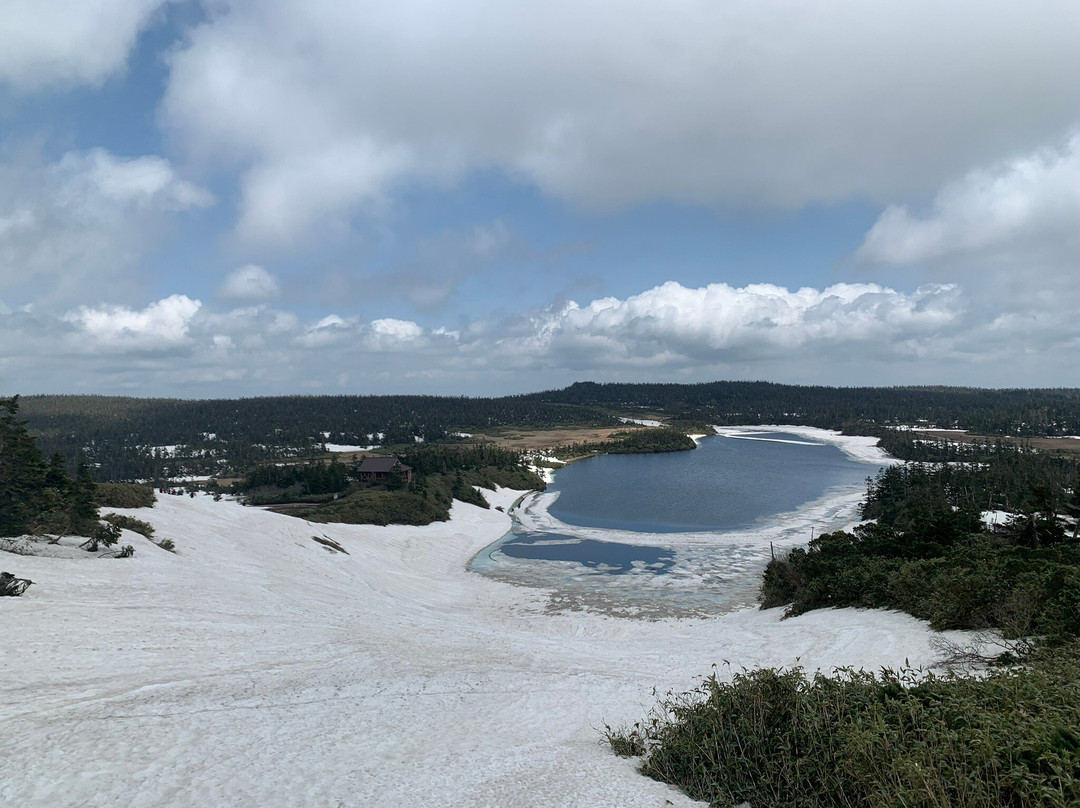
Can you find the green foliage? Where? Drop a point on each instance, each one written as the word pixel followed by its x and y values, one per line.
pixel 994 476
pixel 167 544
pixel 22 474
pixel 463 491
pixel 981 581
pixel 118 434
pixel 105 533
pixel 124 495
pixel 36 497
pixel 441 474
pixel 855 410
pixel 901 739
pixel 303 479
pixel 929 555
pixel 382 508
pixel 130 523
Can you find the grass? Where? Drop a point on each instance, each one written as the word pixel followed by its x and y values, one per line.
pixel 903 739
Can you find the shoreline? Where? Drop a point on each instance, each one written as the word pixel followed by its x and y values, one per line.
pixel 833 510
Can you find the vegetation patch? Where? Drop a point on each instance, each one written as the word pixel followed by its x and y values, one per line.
pixel 130 523
pixel 930 555
pixel 124 495
pixel 337 492
pixel 379 508
pixel 905 738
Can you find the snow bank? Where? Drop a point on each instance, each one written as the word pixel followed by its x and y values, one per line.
pixel 858 447
pixel 641 421
pixel 342 447
pixel 259 667
pixel 995 518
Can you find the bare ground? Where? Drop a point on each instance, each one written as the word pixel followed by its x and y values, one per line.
pixel 1069 445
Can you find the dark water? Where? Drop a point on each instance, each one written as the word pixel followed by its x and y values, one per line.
pixel 724 484
pixel 604 556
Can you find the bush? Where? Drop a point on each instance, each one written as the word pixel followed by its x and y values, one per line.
pixel 167 544
pixel 979 582
pixel 124 495
pixel 382 508
pixel 105 533
pixel 906 738
pixel 130 523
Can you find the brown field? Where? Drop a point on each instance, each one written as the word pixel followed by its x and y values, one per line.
pixel 1069 445
pixel 549 438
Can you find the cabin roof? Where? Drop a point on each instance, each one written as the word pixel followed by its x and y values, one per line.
pixel 380 465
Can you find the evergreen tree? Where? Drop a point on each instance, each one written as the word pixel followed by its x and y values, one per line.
pixel 82 508
pixel 22 473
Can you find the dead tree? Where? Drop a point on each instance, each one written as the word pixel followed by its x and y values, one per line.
pixel 10 585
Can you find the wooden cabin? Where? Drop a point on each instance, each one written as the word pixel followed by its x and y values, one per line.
pixel 378 470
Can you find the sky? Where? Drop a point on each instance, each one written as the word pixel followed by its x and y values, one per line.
pixel 235 198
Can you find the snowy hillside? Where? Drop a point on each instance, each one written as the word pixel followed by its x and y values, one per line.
pixel 257 667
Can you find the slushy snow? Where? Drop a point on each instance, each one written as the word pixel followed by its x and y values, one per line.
pixel 257 667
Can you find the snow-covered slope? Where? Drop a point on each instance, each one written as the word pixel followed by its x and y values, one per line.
pixel 258 668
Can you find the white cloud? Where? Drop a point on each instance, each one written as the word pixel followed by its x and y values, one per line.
pixel 249 283
pixel 76 226
pixel 327 107
pixel 144 182
pixel 674 325
pixel 843 334
pixel 1036 196
pixel 390 334
pixel 67 42
pixel 163 324
pixel 328 331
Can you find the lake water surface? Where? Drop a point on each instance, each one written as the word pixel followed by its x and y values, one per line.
pixel 722 485
pixel 689 527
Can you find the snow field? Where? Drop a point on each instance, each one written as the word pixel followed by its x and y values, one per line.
pixel 257 668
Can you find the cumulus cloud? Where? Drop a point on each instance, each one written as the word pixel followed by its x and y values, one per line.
pixel 67 42
pixel 677 326
pixel 862 333
pixel 1036 196
pixel 391 334
pixel 75 226
pixel 164 324
pixel 327 107
pixel 250 283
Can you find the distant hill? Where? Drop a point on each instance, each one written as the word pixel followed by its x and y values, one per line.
pixel 144 438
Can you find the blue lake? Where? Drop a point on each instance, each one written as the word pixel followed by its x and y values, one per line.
pixel 726 484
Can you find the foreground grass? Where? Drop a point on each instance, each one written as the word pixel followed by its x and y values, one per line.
pixel 780 738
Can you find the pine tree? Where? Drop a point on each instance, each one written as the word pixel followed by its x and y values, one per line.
pixel 81 507
pixel 22 473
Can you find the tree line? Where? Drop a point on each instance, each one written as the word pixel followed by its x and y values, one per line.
pixel 126 438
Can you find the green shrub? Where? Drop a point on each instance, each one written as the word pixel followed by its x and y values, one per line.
pixel 980 581
pixel 382 508
pixel 124 495
pixel 899 739
pixel 167 544
pixel 130 523
pixel 104 533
